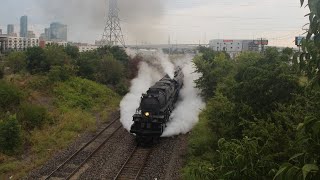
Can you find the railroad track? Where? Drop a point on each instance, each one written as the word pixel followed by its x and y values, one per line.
pixel 134 165
pixel 72 165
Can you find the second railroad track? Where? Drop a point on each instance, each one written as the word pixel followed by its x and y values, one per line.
pixel 72 165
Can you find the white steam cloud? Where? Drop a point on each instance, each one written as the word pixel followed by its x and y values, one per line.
pixel 186 112
pixel 153 67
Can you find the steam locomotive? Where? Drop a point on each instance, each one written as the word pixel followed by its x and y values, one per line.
pixel 155 108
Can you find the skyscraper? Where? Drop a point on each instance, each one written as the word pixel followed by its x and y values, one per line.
pixel 24 26
pixel 47 33
pixel 58 31
pixel 0 31
pixel 10 29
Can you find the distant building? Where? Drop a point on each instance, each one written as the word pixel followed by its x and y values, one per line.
pixel 24 26
pixel 31 34
pixel 236 46
pixel 44 43
pixel 0 31
pixel 88 47
pixel 58 31
pixel 10 29
pixel 47 33
pixel 10 43
pixel 84 47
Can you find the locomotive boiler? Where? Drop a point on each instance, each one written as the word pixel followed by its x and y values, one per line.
pixel 155 108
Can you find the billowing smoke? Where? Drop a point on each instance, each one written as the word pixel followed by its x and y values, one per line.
pixel 153 67
pixel 186 112
pixel 86 18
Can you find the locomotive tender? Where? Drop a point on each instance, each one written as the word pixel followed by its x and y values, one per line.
pixel 155 108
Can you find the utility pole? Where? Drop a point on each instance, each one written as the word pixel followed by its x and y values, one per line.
pixel 112 34
pixel 262 46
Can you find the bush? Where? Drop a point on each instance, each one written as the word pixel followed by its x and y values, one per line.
pixel 36 60
pixel 10 96
pixel 10 135
pixel 60 73
pixel 32 116
pixel 122 88
pixel 1 73
pixel 17 61
pixel 110 71
pixel 84 94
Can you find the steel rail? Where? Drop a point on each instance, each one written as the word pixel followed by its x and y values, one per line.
pixel 128 160
pixel 84 146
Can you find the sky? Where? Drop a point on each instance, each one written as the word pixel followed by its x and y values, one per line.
pixel 157 21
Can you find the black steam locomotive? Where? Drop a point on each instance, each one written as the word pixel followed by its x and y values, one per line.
pixel 155 108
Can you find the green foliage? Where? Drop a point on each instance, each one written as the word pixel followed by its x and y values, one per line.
pixel 17 61
pixel 201 151
pixel 103 66
pixel 309 60
pixel 85 94
pixel 10 96
pixel 37 61
pixel 1 72
pixel 241 159
pixel 109 71
pixel 253 110
pixel 122 88
pixel 56 56
pixel 306 163
pixel 214 68
pixel 266 83
pixel 32 116
pixel 60 73
pixel 72 51
pixel 10 135
pixel 117 52
pixel 88 63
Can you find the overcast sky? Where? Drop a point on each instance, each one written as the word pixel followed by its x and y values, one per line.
pixel 154 21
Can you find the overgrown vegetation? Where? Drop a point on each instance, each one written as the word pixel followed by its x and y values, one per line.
pixel 262 119
pixel 48 96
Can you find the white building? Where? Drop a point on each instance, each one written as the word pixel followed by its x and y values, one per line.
pixel 60 43
pixel 85 48
pixel 10 43
pixel 236 46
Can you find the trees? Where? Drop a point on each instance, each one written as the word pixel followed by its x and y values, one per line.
pixel 117 52
pixel 17 61
pixel 55 55
pixel 10 96
pixel 214 67
pixel 72 51
pixel 1 72
pixel 309 60
pixel 304 162
pixel 265 83
pixel 254 106
pixel 109 71
pixel 10 135
pixel 37 61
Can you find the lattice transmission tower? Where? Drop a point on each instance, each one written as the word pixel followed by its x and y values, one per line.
pixel 112 34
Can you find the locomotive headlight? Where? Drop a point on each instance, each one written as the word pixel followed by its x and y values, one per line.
pixel 147 114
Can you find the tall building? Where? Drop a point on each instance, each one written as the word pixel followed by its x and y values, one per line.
pixel 58 31
pixel 24 26
pixel 47 33
pixel 0 31
pixel 10 29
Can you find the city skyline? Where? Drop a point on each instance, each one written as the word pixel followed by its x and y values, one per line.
pixel 186 21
